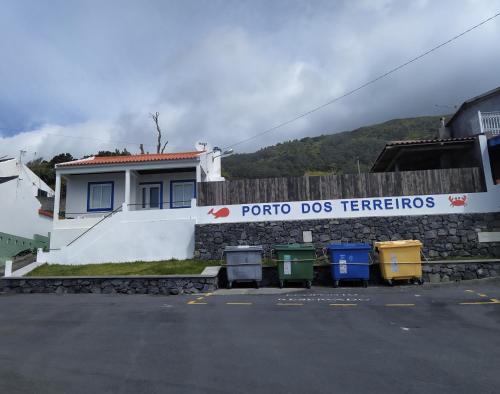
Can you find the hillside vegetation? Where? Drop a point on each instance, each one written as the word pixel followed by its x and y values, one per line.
pixel 326 154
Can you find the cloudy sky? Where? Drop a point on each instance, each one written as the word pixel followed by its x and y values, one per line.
pixel 82 76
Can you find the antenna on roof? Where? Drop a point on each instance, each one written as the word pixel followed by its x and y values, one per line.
pixel 201 146
pixel 21 154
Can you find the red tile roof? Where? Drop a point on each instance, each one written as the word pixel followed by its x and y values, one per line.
pixel 104 160
pixel 43 212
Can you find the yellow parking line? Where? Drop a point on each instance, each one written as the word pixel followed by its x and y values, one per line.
pixel 289 304
pixel 343 304
pixel 399 304
pixel 200 298
pixel 470 291
pixel 239 303
pixel 482 295
pixel 491 302
pixel 193 302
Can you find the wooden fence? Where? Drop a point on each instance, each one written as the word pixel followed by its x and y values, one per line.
pixel 248 191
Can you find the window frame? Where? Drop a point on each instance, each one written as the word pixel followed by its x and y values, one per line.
pixel 89 185
pixel 172 183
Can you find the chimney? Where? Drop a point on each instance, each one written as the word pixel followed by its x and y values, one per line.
pixel 443 131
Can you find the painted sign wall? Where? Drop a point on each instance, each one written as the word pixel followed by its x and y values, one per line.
pixel 352 208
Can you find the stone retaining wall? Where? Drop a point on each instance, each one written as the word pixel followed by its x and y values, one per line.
pixel 449 272
pixel 162 285
pixel 431 273
pixel 442 235
pixel 173 285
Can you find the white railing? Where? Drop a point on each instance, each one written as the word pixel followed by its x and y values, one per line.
pixel 489 122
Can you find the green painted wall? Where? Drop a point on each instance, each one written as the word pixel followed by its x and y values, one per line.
pixel 10 245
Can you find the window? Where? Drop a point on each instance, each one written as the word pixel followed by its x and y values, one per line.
pixel 100 196
pixel 181 193
pixel 151 195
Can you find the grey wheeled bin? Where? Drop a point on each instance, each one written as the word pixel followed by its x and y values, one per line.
pixel 244 264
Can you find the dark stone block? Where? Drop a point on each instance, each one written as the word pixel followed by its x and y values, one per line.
pixel 456 277
pixel 470 275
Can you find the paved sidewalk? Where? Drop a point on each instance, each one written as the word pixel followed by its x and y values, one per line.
pixel 411 339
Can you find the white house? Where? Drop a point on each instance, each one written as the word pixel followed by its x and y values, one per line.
pixel 129 208
pixel 23 222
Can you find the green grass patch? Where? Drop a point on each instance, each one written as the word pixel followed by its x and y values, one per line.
pixel 138 268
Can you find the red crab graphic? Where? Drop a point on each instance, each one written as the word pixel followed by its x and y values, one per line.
pixel 221 213
pixel 458 201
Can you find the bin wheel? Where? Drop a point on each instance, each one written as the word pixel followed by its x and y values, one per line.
pixel 365 283
pixel 390 282
pixel 257 284
pixel 282 284
pixel 229 285
pixel 308 284
pixel 335 283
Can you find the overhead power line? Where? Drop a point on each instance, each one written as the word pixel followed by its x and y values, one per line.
pixel 370 82
pixel 98 139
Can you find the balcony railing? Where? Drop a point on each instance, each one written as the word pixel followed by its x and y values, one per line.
pixel 489 122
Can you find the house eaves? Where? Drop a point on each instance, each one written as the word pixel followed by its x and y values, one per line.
pixel 467 103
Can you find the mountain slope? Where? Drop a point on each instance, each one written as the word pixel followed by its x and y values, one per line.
pixel 333 153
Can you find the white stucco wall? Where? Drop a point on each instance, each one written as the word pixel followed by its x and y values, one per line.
pixel 13 168
pixel 19 207
pixel 65 231
pixel 77 189
pixel 149 235
pixel 210 163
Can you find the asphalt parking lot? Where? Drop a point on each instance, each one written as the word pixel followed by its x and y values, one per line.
pixel 411 339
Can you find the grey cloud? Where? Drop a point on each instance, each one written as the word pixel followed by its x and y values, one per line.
pixel 221 71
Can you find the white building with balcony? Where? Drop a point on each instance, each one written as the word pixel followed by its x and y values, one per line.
pixel 478 115
pixel 470 138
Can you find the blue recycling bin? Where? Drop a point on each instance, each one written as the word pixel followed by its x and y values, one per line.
pixel 350 262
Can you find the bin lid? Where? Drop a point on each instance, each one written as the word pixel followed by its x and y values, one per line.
pixel 350 246
pixel 307 246
pixel 398 244
pixel 244 248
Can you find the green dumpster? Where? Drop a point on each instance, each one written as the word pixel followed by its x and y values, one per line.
pixel 295 263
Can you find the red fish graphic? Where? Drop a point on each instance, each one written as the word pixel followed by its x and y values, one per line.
pixel 458 201
pixel 221 213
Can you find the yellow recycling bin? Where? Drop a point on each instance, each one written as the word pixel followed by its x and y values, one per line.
pixel 400 260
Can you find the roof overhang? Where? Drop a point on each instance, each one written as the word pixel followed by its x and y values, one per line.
pixel 121 167
pixel 4 179
pixel 395 149
pixel 466 103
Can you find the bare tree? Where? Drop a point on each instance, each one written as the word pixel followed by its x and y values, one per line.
pixel 159 148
